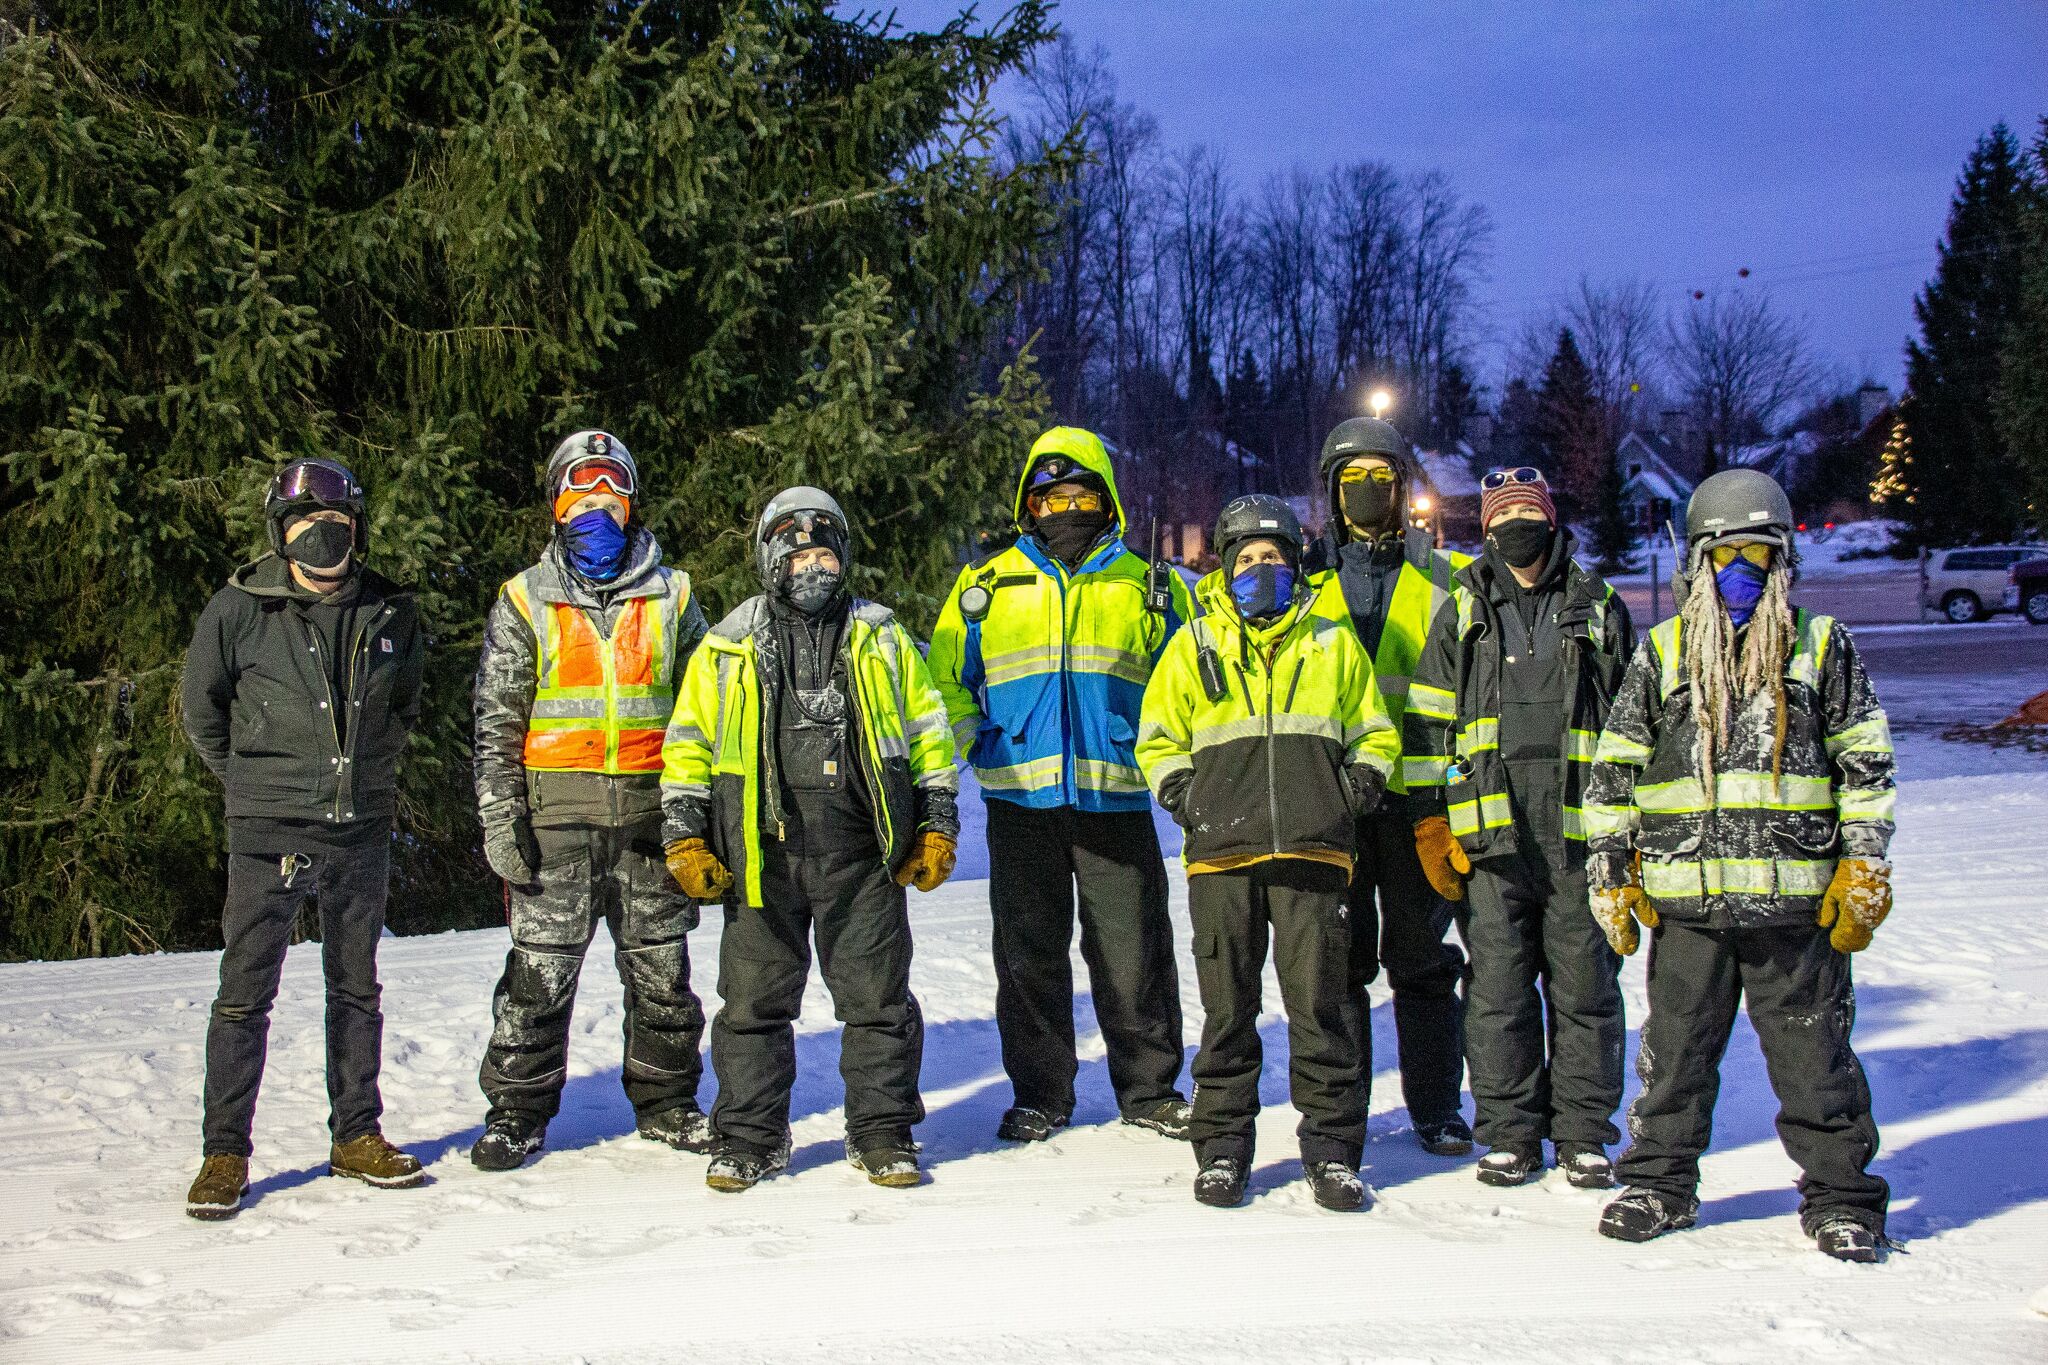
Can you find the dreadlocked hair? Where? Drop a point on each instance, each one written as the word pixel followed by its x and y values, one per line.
pixel 1725 670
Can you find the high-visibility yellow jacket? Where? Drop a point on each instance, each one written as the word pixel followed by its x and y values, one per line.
pixel 1761 848
pixel 1044 685
pixel 1264 771
pixel 1422 588
pixel 712 771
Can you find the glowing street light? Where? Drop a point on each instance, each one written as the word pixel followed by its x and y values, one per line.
pixel 1380 401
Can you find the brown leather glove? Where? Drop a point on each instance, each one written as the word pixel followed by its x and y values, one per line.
pixel 1443 858
pixel 1618 908
pixel 1856 902
pixel 931 861
pixel 697 869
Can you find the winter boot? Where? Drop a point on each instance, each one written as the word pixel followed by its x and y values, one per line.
pixel 1025 1124
pixel 218 1191
pixel 734 1169
pixel 1584 1167
pixel 685 1128
pixel 1450 1137
pixel 507 1142
pixel 1639 1214
pixel 1168 1117
pixel 1220 1183
pixel 1847 1239
pixel 1507 1166
pixel 1335 1185
pixel 889 1162
pixel 374 1161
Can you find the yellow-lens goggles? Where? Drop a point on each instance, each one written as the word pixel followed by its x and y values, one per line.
pixel 1358 473
pixel 1755 552
pixel 1070 502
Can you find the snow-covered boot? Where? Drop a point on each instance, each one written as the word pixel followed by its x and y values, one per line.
pixel 1450 1137
pixel 374 1161
pixel 1025 1124
pixel 506 1143
pixel 1847 1239
pixel 890 1162
pixel 1334 1185
pixel 217 1193
pixel 1585 1167
pixel 1639 1214
pixel 684 1127
pixel 734 1169
pixel 1220 1183
pixel 1167 1117
pixel 1510 1165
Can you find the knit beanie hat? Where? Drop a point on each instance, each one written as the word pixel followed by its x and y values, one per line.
pixel 1534 493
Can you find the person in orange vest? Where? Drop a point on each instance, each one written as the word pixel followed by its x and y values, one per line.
pixel 582 653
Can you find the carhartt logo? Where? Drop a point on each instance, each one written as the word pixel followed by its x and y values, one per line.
pixel 385 645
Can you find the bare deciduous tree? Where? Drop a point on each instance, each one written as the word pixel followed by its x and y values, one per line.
pixel 1738 364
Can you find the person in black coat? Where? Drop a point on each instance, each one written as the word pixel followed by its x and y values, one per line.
pixel 300 688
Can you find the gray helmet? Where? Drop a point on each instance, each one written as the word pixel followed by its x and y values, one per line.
pixel 1739 503
pixel 1257 516
pixel 799 519
pixel 590 444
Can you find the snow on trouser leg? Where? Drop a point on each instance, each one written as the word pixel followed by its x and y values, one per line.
pixel 528 1055
pixel 664 1022
pixel 1694 990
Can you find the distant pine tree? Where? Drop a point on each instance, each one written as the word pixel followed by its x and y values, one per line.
pixel 1573 428
pixel 1959 486
pixel 2023 365
pixel 763 244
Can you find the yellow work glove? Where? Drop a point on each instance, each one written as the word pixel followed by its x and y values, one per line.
pixel 697 869
pixel 930 862
pixel 1443 858
pixel 1856 902
pixel 1618 909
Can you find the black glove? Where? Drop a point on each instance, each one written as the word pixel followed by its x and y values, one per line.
pixel 1173 795
pixel 1368 787
pixel 512 851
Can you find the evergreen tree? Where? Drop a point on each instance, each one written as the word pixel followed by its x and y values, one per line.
pixel 1454 401
pixel 1573 429
pixel 1517 426
pixel 2023 366
pixel 762 243
pixel 1959 486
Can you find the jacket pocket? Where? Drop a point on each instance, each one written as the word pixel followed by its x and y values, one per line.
pixel 1670 849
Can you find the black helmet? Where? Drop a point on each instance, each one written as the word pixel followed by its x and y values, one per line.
pixel 1257 516
pixel 1745 504
pixel 314 482
pixel 1355 436
pixel 796 519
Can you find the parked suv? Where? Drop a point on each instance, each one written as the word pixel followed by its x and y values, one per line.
pixel 1969 584
pixel 2026 590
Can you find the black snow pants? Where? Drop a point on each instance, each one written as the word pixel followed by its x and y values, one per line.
pixel 589 873
pixel 264 895
pixel 1301 905
pixel 1037 861
pixel 1399 922
pixel 1545 1063
pixel 1802 1005
pixel 847 899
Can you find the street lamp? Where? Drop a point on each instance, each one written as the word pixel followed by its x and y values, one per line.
pixel 1380 401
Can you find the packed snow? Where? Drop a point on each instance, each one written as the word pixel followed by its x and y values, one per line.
pixel 610 1249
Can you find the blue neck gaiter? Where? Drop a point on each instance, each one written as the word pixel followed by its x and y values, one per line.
pixel 1741 585
pixel 596 545
pixel 1263 591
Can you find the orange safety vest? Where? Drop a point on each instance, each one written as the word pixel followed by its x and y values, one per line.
pixel 601 706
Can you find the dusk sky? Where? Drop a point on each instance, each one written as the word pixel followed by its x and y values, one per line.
pixel 1815 144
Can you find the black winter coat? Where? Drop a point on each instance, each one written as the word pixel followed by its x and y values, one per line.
pixel 260 701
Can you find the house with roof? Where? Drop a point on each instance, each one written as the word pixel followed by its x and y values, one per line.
pixel 1649 471
pixel 1448 501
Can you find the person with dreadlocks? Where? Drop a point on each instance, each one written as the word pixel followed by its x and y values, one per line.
pixel 1740 808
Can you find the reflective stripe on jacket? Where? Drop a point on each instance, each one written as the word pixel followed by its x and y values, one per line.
pixel 1421 589
pixel 600 703
pixel 1260 771
pixel 1763 846
pixel 712 766
pixel 1451 728
pixel 1044 690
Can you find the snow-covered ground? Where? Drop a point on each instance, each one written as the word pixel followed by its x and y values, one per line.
pixel 1821 554
pixel 610 1249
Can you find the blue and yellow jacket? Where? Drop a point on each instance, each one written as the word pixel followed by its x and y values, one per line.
pixel 1044 684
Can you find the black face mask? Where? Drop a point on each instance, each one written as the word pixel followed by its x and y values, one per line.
pixel 1522 543
pixel 811 590
pixel 1369 505
pixel 323 547
pixel 1070 534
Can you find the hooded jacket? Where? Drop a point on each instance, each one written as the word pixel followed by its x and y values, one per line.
pixel 1043 685
pixel 260 699
pixel 1264 770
